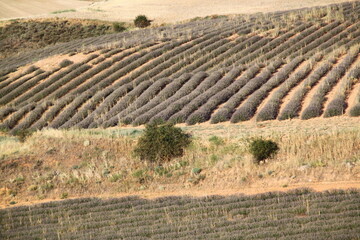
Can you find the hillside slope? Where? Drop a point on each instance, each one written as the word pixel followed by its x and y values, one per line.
pixel 300 64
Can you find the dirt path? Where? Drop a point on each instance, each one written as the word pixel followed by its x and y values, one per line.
pixel 316 186
pixel 159 10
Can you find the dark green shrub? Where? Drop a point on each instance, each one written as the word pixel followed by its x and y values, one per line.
pixel 217 141
pixel 141 21
pixel 161 143
pixel 263 149
pixel 22 134
pixel 355 111
pixel 118 27
pixel 65 63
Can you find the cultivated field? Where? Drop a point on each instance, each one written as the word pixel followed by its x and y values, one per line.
pixel 300 64
pixel 72 109
pixel 299 214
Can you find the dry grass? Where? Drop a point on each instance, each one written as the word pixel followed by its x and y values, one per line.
pixel 98 162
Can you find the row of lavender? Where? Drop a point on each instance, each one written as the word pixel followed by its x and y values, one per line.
pixel 213 77
pixel 185 98
pixel 346 10
pixel 298 214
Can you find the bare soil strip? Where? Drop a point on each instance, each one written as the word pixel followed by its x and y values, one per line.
pixel 256 189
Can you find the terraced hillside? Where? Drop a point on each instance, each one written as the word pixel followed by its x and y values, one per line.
pixel 298 64
pixel 300 214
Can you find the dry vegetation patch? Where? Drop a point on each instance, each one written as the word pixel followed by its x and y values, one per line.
pixel 23 35
pixel 100 162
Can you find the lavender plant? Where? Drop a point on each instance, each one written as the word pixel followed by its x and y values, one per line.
pixel 225 112
pixel 144 98
pixel 315 107
pixel 271 109
pixel 248 109
pixel 177 105
pixel 187 88
pixel 293 107
pixel 338 105
pixel 204 112
pixel 167 92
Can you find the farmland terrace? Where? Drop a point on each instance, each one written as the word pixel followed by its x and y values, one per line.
pixel 296 64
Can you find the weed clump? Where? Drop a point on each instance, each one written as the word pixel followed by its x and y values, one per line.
pixel 263 149
pixel 22 135
pixel 217 141
pixel 161 143
pixel 355 111
pixel 118 27
pixel 142 21
pixel 65 63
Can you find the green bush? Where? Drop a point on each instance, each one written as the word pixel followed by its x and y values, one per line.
pixel 161 143
pixel 217 141
pixel 118 27
pixel 263 149
pixel 355 111
pixel 65 63
pixel 142 21
pixel 22 134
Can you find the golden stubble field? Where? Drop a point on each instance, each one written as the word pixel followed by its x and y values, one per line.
pixel 162 11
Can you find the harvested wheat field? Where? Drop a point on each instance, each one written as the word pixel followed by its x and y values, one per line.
pixel 26 8
pixel 162 11
pixel 74 108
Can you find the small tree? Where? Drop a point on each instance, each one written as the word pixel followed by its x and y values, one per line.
pixel 161 143
pixel 263 149
pixel 142 21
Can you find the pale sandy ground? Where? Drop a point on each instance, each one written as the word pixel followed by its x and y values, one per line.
pixel 25 8
pixel 159 10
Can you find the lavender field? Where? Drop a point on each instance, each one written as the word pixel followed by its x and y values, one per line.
pixel 295 64
pixel 298 214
